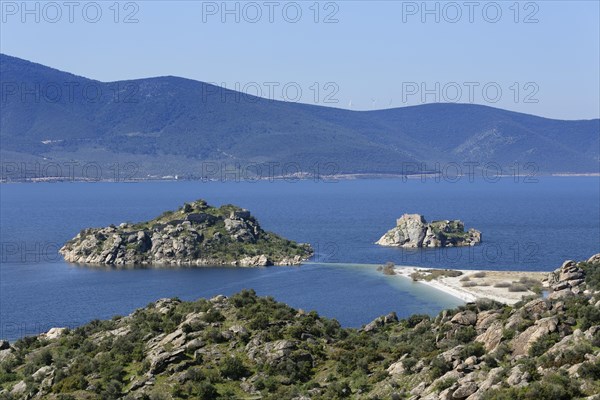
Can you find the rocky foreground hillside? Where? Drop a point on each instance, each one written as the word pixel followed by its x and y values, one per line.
pixel 196 234
pixel 412 230
pixel 248 347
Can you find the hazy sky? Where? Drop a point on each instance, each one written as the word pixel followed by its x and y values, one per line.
pixel 535 57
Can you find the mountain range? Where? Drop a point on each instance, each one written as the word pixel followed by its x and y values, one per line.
pixel 175 126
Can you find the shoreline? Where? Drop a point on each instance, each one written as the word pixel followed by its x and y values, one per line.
pixel 331 178
pixel 493 285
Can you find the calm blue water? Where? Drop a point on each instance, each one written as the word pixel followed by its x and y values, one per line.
pixel 530 226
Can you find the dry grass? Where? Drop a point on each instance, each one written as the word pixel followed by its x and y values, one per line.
pixel 517 287
pixel 431 274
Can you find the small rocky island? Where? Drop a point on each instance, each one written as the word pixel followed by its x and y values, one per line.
pixel 412 230
pixel 196 234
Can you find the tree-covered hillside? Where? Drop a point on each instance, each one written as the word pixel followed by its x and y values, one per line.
pixel 249 347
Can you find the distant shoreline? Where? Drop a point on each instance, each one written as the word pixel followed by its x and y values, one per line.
pixel 295 178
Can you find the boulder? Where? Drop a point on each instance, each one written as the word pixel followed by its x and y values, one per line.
pixel 535 308
pixel 412 230
pixel 271 352
pixel 19 388
pixel 518 377
pixel 465 318
pixel 55 333
pixel 409 232
pixel 485 319
pixel 492 337
pixel 160 361
pixel 465 390
pixel 381 321
pixel 42 373
pixel 396 368
pixel 522 343
pixel 594 259
pixel 256 261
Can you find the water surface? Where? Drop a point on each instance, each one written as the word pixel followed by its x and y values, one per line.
pixel 526 226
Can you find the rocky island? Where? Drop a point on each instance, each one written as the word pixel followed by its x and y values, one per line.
pixel 412 230
pixel 195 234
pixel 250 347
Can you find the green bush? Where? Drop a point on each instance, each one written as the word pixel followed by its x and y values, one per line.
pixel 233 368
pixel 590 370
pixel 592 274
pixel 206 391
pixel 472 349
pixel 439 367
pixel 540 346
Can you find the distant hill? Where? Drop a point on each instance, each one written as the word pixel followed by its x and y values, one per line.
pixel 175 126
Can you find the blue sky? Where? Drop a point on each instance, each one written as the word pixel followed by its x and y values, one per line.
pixel 543 60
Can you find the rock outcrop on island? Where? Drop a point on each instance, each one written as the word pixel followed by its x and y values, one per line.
pixel 412 230
pixel 196 234
pixel 245 346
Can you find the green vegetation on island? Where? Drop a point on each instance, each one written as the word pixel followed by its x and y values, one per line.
pixel 195 234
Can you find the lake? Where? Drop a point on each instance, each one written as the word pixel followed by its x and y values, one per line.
pixel 526 226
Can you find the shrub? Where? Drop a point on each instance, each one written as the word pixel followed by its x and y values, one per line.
pixel 338 390
pixel 472 349
pixel 465 334
pixel 502 285
pixel 416 276
pixel 206 391
pixel 590 370
pixel 233 368
pixel 480 274
pixel 541 345
pixel 244 298
pixel 213 315
pixel 517 287
pixel 592 274
pixel 415 319
pixel 388 269
pixel 439 367
pixel 444 384
pixel 71 384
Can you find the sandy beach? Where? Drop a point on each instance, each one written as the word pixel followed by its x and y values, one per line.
pixel 469 285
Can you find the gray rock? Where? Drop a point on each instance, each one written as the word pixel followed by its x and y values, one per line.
pixel 594 259
pixel 160 361
pixel 42 373
pixel 485 319
pixel 179 241
pixel 19 388
pixel 412 230
pixel 55 333
pixel 492 337
pixel 465 318
pixel 465 390
pixel 517 377
pixel 396 368
pixel 522 343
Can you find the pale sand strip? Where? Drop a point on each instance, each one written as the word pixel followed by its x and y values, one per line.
pixel 454 286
